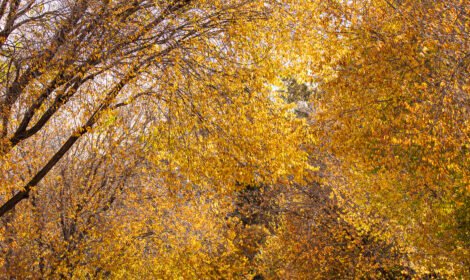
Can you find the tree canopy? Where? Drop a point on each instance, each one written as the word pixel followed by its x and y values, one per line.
pixel 253 139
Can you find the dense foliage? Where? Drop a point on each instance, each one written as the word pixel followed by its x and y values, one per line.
pixel 228 139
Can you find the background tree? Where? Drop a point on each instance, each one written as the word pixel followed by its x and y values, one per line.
pixel 392 78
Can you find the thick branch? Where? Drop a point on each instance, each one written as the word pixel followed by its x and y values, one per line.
pixel 12 202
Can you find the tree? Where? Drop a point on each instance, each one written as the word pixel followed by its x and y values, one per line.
pixel 90 57
pixel 108 104
pixel 392 78
pixel 234 139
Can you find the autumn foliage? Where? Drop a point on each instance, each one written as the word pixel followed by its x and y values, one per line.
pixel 234 139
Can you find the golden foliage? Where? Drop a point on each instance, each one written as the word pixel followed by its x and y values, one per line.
pixel 234 139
